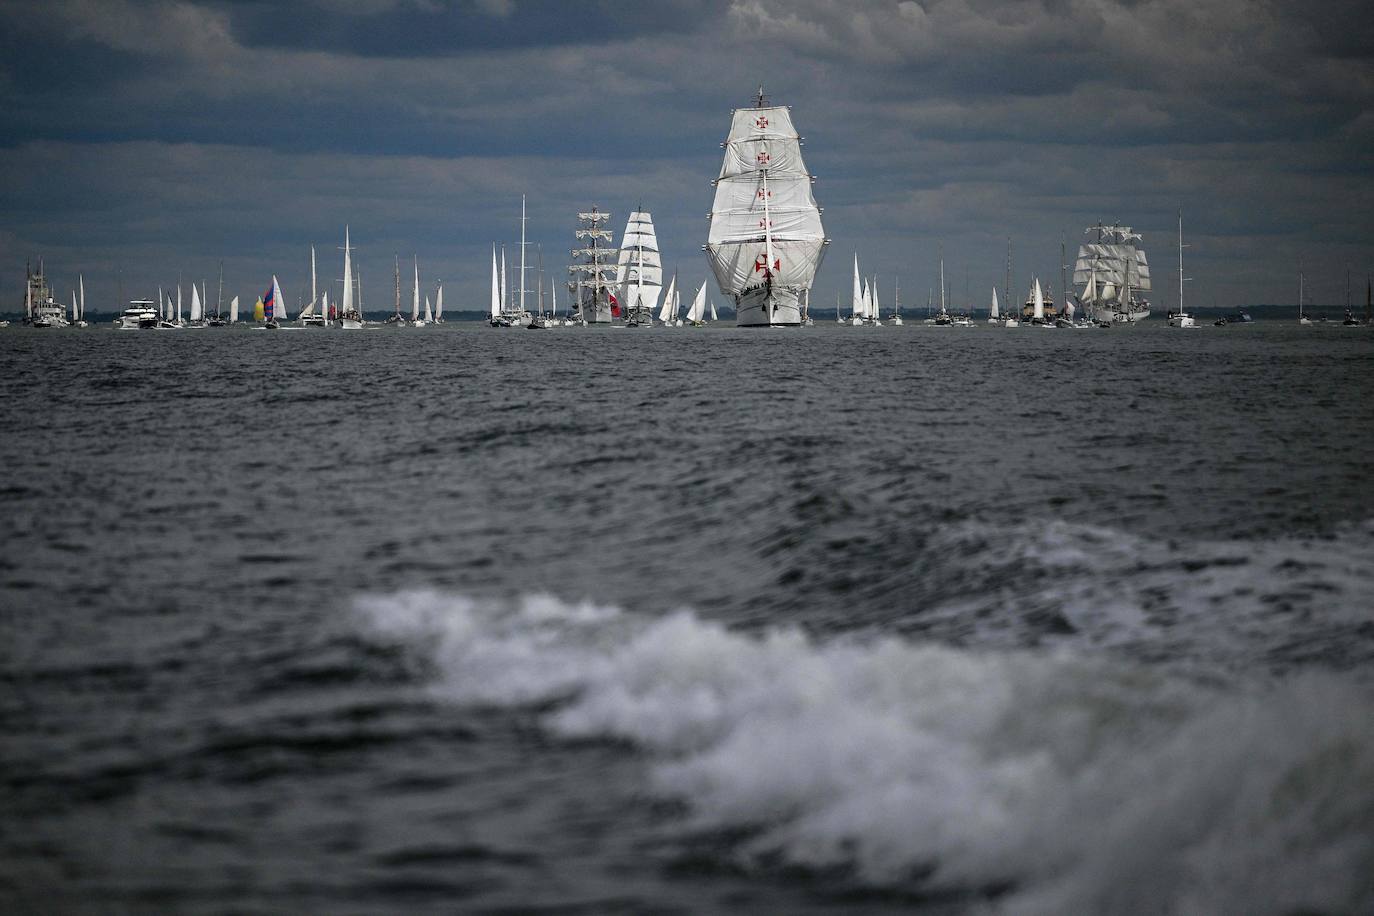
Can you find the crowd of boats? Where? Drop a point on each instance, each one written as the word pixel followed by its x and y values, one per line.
pixel 764 246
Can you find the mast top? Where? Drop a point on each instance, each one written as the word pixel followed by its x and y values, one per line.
pixel 761 101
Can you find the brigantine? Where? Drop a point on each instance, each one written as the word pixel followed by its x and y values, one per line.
pixel 593 286
pixel 1112 270
pixel 639 271
pixel 766 240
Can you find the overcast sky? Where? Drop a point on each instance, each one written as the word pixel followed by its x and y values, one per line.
pixel 159 137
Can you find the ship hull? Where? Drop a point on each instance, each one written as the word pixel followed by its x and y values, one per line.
pixel 1109 315
pixel 763 308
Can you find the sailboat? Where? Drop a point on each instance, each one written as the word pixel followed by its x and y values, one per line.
pixel 271 305
pixel 666 314
pixel 505 312
pixel 350 317
pixel 943 318
pixel 593 289
pixel 1181 318
pixel 1302 318
pixel 896 300
pixel 858 303
pixel 639 270
pixel 79 319
pixel 696 312
pixel 874 313
pixel 1038 318
pixel 308 316
pixel 766 240
pixel 218 320
pixel 438 305
pixel 1113 269
pixel 234 310
pixel 994 312
pixel 415 320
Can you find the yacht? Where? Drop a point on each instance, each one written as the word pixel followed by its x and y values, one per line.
pixel 140 315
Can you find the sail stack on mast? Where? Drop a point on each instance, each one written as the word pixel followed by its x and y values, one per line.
pixel 1111 271
pixel 594 278
pixel 766 240
pixel 639 269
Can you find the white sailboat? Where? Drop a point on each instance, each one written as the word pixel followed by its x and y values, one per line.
pixel 994 311
pixel 665 314
pixel 495 316
pixel 1122 269
pixel 234 310
pixel 415 320
pixel 1302 318
pixel 639 270
pixel 858 301
pixel 896 303
pixel 439 305
pixel 1038 315
pixel 766 240
pixel 696 313
pixel 309 316
pixel 874 308
pixel 350 318
pixel 1181 318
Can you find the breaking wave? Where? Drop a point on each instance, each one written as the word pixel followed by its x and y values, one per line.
pixel 1047 781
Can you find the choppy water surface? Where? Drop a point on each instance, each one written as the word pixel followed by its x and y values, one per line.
pixel 833 621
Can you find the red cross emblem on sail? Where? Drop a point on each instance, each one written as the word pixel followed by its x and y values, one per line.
pixel 761 122
pixel 762 194
pixel 770 224
pixel 763 157
pixel 761 264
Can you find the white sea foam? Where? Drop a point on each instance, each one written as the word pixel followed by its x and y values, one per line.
pixel 1084 784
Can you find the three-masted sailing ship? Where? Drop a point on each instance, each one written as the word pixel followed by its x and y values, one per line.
pixel 1113 270
pixel 639 270
pixel 766 240
pixel 594 277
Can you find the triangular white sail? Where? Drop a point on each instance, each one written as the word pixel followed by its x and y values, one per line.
pixel 324 304
pixel 82 308
pixel 505 290
pixel 234 310
pixel 278 307
pixel 697 312
pixel 178 303
pixel 996 312
pixel 439 303
pixel 856 303
pixel 429 311
pixel 495 285
pixel 874 309
pixel 665 314
pixel 346 307
pixel 1039 301
pixel 713 311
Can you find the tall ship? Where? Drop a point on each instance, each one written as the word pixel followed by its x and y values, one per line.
pixel 594 277
pixel 766 240
pixel 639 269
pixel 1113 271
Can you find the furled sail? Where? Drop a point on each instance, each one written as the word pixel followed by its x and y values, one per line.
pixel 765 224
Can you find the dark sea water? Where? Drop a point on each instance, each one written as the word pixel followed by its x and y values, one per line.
pixel 677 621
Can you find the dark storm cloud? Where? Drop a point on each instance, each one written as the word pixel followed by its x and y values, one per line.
pixel 166 133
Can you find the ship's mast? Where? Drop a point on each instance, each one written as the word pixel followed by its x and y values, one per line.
pixel 219 297
pixel 1007 289
pixel 398 285
pixel 1181 278
pixel 522 254
pixel 942 278
pixel 1063 274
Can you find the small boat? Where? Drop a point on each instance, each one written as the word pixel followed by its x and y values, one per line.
pixel 271 306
